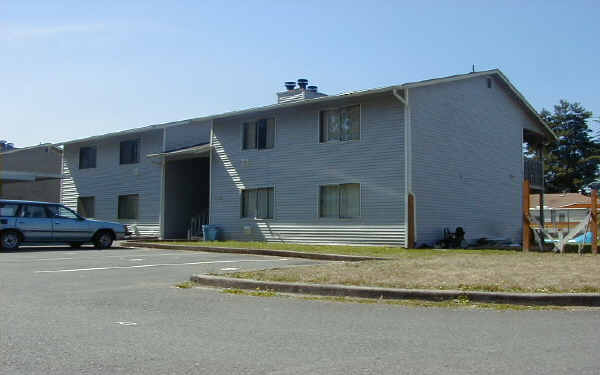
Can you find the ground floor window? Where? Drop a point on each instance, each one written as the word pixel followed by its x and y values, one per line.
pixel 339 201
pixel 128 206
pixel 86 206
pixel 257 203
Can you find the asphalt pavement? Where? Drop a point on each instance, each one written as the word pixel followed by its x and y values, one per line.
pixel 118 311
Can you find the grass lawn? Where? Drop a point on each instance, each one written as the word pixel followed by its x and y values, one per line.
pixel 375 251
pixel 484 270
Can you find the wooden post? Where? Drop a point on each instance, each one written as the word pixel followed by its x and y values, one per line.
pixel 526 238
pixel 594 223
pixel 540 151
pixel 411 221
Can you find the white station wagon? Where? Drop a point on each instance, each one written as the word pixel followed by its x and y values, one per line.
pixel 24 222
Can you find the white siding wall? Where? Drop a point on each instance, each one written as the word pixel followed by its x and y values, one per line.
pixel 298 164
pixel 190 134
pixel 110 179
pixel 467 159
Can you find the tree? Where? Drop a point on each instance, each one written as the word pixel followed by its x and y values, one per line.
pixel 571 163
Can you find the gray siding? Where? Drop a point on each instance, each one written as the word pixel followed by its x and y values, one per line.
pixel 467 159
pixel 38 159
pixel 299 164
pixel 190 134
pixel 110 179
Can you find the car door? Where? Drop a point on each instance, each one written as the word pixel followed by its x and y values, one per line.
pixel 34 222
pixel 68 226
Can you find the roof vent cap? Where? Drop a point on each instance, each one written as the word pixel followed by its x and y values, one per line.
pixel 303 83
pixel 290 85
pixel 311 88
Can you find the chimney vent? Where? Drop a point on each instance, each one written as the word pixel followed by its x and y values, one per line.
pixel 302 83
pixel 290 85
pixel 295 93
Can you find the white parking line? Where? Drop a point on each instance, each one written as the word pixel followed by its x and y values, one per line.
pixel 160 265
pixel 53 259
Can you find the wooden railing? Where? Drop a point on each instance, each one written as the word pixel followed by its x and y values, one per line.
pixel 534 172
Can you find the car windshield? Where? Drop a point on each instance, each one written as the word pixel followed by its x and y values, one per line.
pixel 63 212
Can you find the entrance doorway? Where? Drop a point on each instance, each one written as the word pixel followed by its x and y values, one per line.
pixel 186 196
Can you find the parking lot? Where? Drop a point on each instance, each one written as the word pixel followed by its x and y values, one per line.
pixel 67 270
pixel 117 311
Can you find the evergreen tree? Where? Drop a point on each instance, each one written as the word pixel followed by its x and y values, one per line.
pixel 571 163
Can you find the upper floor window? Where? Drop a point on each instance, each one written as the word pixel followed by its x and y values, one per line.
pixel 130 152
pixel 259 134
pixel 338 125
pixel 258 203
pixel 87 157
pixel 339 201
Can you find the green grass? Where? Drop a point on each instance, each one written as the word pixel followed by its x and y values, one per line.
pixel 374 251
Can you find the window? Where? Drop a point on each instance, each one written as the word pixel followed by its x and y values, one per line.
pixel 34 212
pixel 86 206
pixel 87 157
pixel 258 203
pixel 8 209
pixel 62 212
pixel 130 151
pixel 339 125
pixel 259 134
pixel 489 83
pixel 339 201
pixel 128 206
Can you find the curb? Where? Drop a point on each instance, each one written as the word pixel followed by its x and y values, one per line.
pixel 559 299
pixel 279 253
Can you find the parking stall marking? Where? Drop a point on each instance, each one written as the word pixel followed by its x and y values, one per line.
pixel 160 265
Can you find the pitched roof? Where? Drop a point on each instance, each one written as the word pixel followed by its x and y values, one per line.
pixel 562 200
pixel 328 98
pixel 29 148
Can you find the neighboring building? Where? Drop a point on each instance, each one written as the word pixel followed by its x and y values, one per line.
pixel 322 169
pixel 560 211
pixel 560 200
pixel 31 173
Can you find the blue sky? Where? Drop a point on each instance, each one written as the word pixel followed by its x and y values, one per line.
pixel 75 69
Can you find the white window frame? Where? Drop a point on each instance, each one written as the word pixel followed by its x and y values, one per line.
pixel 360 124
pixel 139 140
pixel 79 157
pixel 93 205
pixel 256 149
pixel 241 197
pixel 360 202
pixel 139 196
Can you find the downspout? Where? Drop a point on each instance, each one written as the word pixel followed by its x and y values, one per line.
pixel 210 170
pixel 161 219
pixel 407 160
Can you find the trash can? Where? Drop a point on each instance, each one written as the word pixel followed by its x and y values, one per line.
pixel 211 232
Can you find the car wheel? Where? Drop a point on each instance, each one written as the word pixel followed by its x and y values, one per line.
pixel 103 240
pixel 9 240
pixel 75 245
